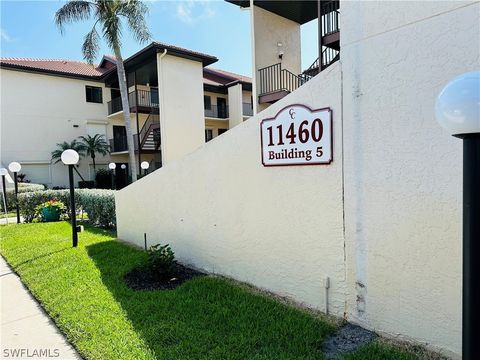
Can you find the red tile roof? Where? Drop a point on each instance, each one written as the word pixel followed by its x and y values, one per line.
pixel 228 75
pixel 65 67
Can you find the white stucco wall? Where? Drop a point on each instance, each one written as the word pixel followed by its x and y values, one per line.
pixel 403 176
pixel 235 110
pixel 181 106
pixel 268 30
pixel 222 211
pixel 383 221
pixel 39 111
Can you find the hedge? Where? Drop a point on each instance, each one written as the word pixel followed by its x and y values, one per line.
pixel 22 188
pixel 98 204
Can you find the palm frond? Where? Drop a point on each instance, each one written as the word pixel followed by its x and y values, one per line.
pixel 61 147
pixel 71 12
pixel 135 11
pixel 91 45
pixel 95 144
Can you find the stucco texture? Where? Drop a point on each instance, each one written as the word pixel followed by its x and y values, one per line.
pixel 221 210
pixel 403 175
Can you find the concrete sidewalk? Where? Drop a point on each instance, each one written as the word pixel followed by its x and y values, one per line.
pixel 26 330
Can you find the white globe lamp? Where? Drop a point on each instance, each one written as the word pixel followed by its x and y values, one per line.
pixel 112 166
pixel 458 111
pixel 70 157
pixel 14 167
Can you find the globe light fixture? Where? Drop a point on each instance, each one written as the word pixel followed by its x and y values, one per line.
pixel 145 165
pixel 458 111
pixel 123 166
pixel 15 167
pixel 70 157
pixel 112 166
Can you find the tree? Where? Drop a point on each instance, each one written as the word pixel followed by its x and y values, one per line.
pixel 61 147
pixel 94 144
pixel 109 15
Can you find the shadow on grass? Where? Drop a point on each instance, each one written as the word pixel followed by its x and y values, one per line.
pixel 39 257
pixel 207 317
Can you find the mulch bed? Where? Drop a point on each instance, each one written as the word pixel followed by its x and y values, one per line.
pixel 143 278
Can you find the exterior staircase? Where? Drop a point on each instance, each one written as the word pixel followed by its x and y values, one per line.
pixel 148 139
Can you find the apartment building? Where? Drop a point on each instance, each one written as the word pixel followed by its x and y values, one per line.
pixel 177 103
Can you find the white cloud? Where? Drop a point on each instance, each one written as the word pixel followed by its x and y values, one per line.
pixel 4 36
pixel 191 11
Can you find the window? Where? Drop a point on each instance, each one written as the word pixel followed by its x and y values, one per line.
pixel 207 102
pixel 208 135
pixel 221 131
pixel 94 94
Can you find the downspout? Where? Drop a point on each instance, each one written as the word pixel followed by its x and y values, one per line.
pixel 160 104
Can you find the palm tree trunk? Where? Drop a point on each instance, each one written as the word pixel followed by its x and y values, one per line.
pixel 122 81
pixel 93 160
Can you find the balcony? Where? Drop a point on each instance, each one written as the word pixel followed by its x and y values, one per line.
pixel 247 109
pixel 276 82
pixel 147 99
pixel 217 112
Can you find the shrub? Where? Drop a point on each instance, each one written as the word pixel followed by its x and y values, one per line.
pixel 161 260
pixel 87 184
pixel 103 179
pixel 22 188
pixel 99 204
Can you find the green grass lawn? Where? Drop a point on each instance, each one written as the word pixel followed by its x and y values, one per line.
pixel 83 290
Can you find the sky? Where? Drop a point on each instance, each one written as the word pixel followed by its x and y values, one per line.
pixel 214 27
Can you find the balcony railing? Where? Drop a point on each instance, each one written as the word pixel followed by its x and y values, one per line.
pixel 215 111
pixel 247 109
pixel 146 99
pixel 275 79
pixel 330 17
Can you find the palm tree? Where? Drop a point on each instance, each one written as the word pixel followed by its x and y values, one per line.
pixel 109 15
pixel 94 144
pixel 61 147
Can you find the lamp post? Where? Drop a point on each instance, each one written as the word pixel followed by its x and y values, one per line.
pixel 70 157
pixel 145 165
pixel 15 167
pixel 3 173
pixel 112 167
pixel 458 111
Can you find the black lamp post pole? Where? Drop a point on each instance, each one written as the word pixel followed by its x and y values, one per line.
pixel 471 244
pixel 4 189
pixel 72 207
pixel 111 179
pixel 15 179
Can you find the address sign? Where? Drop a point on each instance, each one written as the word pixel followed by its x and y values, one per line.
pixel 297 136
